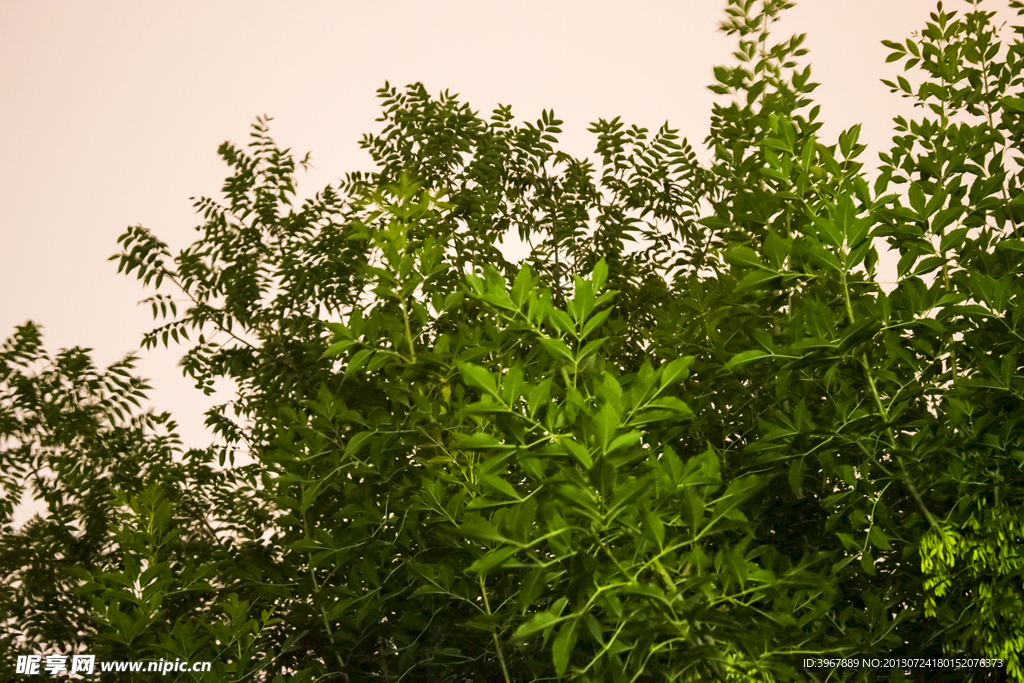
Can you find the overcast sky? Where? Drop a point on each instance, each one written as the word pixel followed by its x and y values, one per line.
pixel 111 114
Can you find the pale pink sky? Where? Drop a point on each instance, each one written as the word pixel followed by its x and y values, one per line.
pixel 111 114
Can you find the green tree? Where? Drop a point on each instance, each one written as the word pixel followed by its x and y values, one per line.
pixel 711 456
pixel 74 439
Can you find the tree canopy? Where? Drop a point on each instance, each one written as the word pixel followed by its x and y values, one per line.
pixel 691 436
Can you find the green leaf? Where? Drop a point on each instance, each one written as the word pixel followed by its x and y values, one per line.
pixel 478 528
pixel 796 475
pixel 867 563
pixel 309 496
pixel 828 230
pixel 599 275
pixel 1013 245
pixel 944 218
pixel 538 622
pixel 340 608
pixel 1012 105
pixel 595 321
pixel 626 440
pixel 582 499
pixel 667 408
pixel 743 257
pixel 530 589
pixel 759 279
pixel 878 538
pixel 562 322
pixel 557 349
pixel 521 286
pixel 847 540
pixel 339 330
pixel 500 486
pixel 606 422
pixel 492 559
pixel 512 384
pixel 775 143
pixel 356 442
pixel 539 395
pixel 738 491
pixel 479 377
pixel 824 258
pixel 626 492
pixel 358 360
pixel 578 451
pixel 480 441
pixel 745 357
pixel 776 249
pixel 702 469
pixel 591 348
pixel 654 528
pixel 561 648
pixel 675 370
pixel 337 348
pixel 917 199
pixel 582 303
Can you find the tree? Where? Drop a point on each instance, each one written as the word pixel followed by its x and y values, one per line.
pixel 73 436
pixel 709 458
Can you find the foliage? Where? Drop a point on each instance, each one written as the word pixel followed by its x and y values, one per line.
pixel 692 436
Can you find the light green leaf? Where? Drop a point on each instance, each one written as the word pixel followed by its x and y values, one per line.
pixel 562 322
pixel 606 421
pixel 599 275
pixel 674 405
pixel 561 649
pixel 759 279
pixel 478 528
pixel 867 563
pixel 702 469
pixel 745 357
pixel 476 376
pixel 521 286
pixel 624 440
pixel 557 348
pixel 736 493
pixel 512 384
pixel 675 370
pixel 358 360
pixel 480 441
pixel 595 321
pixel 538 622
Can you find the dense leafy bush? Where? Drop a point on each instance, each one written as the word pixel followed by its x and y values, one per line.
pixel 692 436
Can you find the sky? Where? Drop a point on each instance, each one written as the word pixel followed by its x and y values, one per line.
pixel 111 114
